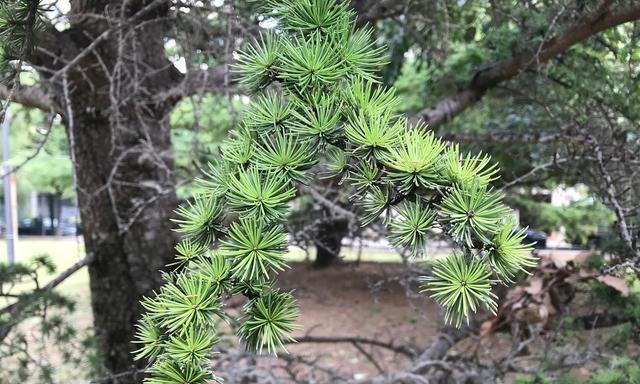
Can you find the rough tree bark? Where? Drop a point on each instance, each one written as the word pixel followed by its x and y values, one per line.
pixel 126 260
pixel 122 155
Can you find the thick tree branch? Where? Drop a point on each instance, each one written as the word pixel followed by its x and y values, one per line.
pixel 213 79
pixel 601 19
pixel 31 97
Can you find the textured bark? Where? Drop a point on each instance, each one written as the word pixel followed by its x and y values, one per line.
pixel 125 265
pixel 123 161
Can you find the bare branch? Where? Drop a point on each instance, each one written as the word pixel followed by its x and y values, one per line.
pixel 612 198
pixel 35 153
pixel 403 350
pixel 538 168
pixel 31 97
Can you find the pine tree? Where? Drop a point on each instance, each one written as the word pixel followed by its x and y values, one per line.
pixel 329 106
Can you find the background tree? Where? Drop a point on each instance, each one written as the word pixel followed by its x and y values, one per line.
pixel 104 67
pixel 41 156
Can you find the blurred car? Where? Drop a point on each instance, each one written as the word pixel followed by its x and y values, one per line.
pixel 69 229
pixel 30 227
pixel 38 226
pixel 539 239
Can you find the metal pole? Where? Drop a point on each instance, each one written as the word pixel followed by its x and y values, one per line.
pixel 8 192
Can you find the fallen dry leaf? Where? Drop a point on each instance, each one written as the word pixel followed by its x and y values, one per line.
pixel 487 327
pixel 534 287
pixel 616 283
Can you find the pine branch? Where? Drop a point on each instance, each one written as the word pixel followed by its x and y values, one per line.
pixel 13 310
pixel 328 106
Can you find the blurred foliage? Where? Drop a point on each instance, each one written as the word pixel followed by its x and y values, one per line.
pixel 50 171
pixel 620 370
pixel 199 124
pixel 580 220
pixel 594 84
pixel 23 356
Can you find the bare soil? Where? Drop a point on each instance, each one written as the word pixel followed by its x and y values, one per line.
pixel 373 301
pixel 359 301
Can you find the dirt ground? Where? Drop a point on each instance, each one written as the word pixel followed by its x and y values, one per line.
pixel 365 301
pixel 369 301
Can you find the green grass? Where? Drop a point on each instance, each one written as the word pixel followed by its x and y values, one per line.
pixel 65 251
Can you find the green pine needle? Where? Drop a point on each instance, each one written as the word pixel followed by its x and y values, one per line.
pixel 268 322
pixel 187 250
pixel 200 220
pixel 507 254
pixel 256 62
pixel 337 161
pixel 374 203
pixel 150 337
pixel 410 229
pixel 459 170
pixel 214 267
pixel 287 156
pixel 361 55
pixel 255 249
pixel 269 111
pixel 374 135
pixel 259 195
pixel 238 149
pixel 328 103
pixel 168 372
pixel 472 212
pixel 193 346
pixel 307 64
pixel 250 288
pixel 190 300
pixel 364 175
pixel 414 163
pixel 461 285
pixel 317 122
pixel 309 16
pixel 364 97
pixel 215 180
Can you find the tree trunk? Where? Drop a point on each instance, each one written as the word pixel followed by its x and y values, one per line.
pixel 127 255
pixel 126 219
pixel 329 241
pixel 57 203
pixel 52 215
pixel 123 162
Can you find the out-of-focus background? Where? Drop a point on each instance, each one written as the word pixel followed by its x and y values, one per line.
pixel 120 105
